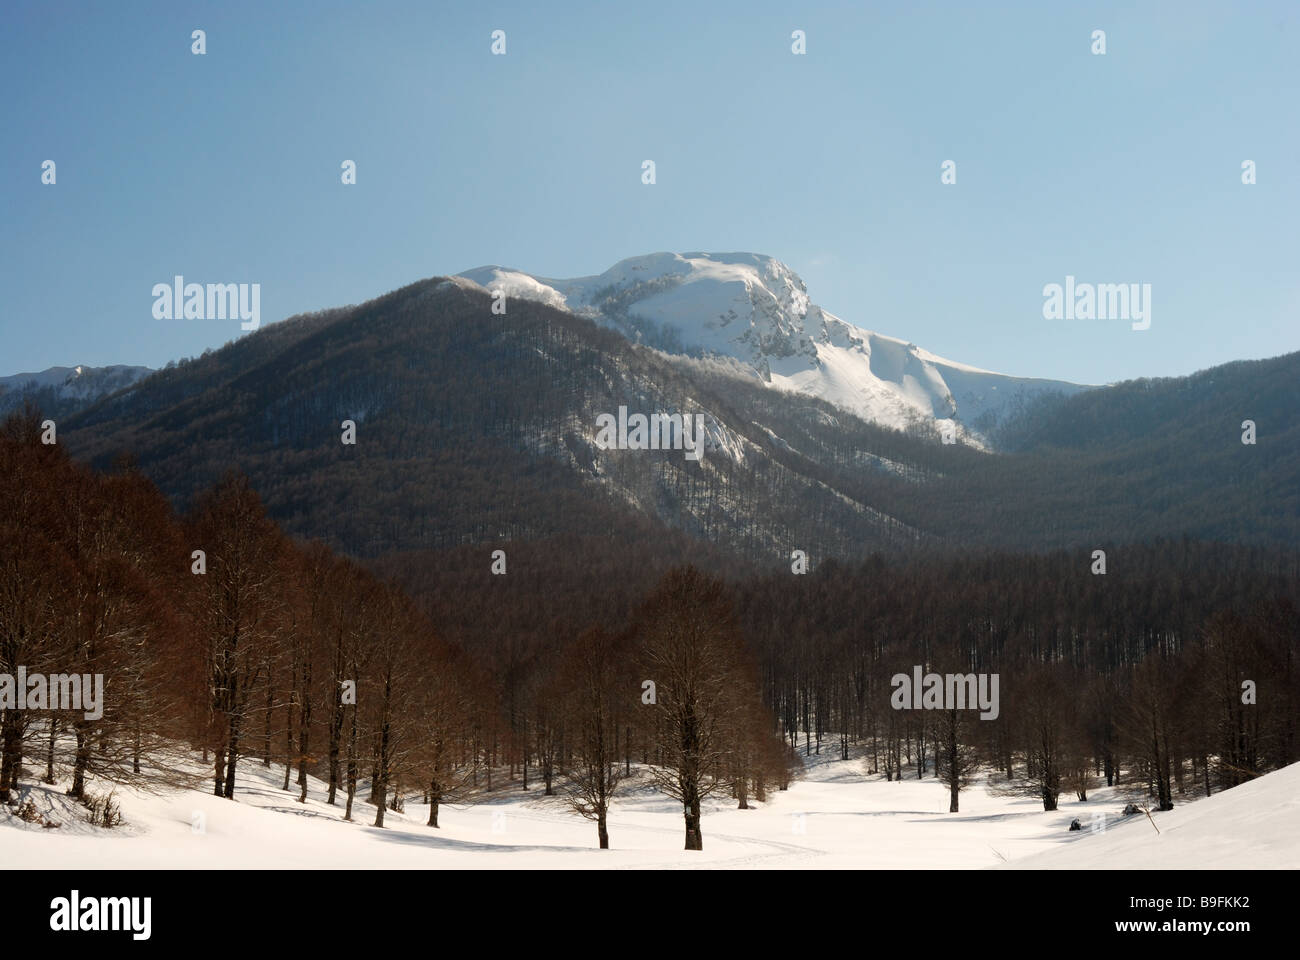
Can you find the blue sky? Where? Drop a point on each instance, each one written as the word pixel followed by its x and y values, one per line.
pixel 226 167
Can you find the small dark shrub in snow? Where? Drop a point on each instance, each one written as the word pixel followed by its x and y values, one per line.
pixel 1074 825
pixel 102 810
pixel 1131 809
pixel 27 813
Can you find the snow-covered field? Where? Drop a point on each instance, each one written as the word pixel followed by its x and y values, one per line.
pixel 835 817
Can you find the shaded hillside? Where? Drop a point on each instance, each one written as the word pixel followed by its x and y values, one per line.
pixel 1165 456
pixel 473 427
pixel 477 428
pixel 1171 411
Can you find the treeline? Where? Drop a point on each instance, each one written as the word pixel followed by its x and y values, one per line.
pixel 1175 670
pixel 215 632
pixel 212 630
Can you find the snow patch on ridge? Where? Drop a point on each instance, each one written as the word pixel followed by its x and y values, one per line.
pixel 77 383
pixel 756 310
pixel 516 285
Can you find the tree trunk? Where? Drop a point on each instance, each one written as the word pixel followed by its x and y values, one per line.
pixel 219 772
pixel 49 753
pixel 352 766
pixel 232 756
pixel 266 731
pixel 288 739
pixel 435 794
pixel 336 737
pixel 80 767
pixel 304 737
pixel 8 742
pixel 693 839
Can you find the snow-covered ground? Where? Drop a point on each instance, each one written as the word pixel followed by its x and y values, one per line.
pixel 1252 826
pixel 835 817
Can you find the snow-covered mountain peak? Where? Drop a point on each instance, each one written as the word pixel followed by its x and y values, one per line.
pixel 755 309
pixel 742 305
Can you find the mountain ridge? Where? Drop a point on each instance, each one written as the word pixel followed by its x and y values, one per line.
pixel 755 309
pixel 59 390
pixel 477 427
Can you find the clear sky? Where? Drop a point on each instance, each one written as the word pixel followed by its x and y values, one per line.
pixel 226 167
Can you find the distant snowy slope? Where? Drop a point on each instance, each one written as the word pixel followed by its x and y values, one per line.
pixel 756 309
pixel 67 386
pixel 1251 826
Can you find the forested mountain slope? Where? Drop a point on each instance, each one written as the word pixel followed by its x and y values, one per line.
pixel 474 428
